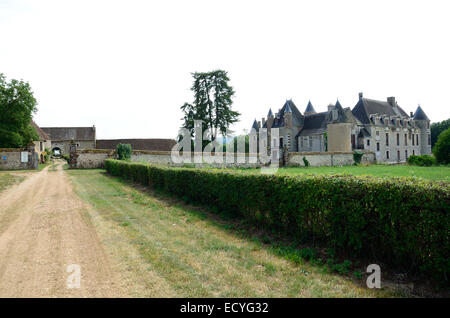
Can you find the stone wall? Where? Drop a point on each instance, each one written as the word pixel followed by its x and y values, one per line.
pixel 11 159
pixel 65 145
pixel 95 158
pixel 327 158
pixel 90 158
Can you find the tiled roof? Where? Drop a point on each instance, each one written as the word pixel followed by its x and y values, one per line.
pixel 41 134
pixel 70 133
pixel 138 144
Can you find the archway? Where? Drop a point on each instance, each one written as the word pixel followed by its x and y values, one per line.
pixel 57 152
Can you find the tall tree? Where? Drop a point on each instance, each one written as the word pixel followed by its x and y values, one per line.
pixel 212 103
pixel 17 105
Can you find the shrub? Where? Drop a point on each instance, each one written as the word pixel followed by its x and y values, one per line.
pixel 123 151
pixel 402 221
pixel 306 162
pixel 441 149
pixel 357 156
pixel 423 161
pixel 46 154
pixel 66 157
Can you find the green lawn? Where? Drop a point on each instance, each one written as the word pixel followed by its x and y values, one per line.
pixel 168 249
pixel 440 173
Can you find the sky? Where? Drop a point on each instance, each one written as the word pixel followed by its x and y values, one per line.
pixel 125 66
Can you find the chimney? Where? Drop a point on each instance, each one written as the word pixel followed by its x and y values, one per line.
pixel 411 114
pixel 391 101
pixel 330 107
pixel 259 124
pixel 360 96
pixel 263 121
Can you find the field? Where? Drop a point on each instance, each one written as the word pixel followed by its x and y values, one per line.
pixel 437 173
pixel 167 248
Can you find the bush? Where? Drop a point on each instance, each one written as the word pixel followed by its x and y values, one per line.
pixel 423 161
pixel 357 156
pixel 402 221
pixel 46 154
pixel 305 162
pixel 66 157
pixel 441 149
pixel 123 151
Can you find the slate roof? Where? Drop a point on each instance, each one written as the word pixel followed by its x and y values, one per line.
pixel 420 114
pixel 255 125
pixel 365 107
pixel 41 134
pixel 270 113
pixel 297 117
pixel 70 133
pixel 310 108
pixel 314 124
pixel 153 144
pixel 364 133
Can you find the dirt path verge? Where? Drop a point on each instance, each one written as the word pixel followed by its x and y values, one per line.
pixel 42 231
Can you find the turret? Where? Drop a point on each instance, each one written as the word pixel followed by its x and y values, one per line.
pixel 309 109
pixel 270 119
pixel 288 116
pixel 422 121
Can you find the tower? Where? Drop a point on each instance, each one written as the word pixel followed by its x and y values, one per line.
pixel 423 123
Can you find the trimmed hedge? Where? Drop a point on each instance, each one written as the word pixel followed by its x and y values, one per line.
pixel 401 221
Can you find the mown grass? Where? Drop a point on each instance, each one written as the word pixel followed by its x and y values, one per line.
pixel 184 251
pixel 436 173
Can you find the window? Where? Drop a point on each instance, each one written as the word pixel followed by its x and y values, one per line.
pixel 387 139
pixel 406 140
pixel 368 142
pixel 301 142
pixel 417 139
pixel 414 152
pixel 281 142
pixel 429 139
pixel 387 154
pixel 398 155
pixel 406 154
pixel 413 140
pixel 378 146
pixel 41 147
pixel 398 139
pixel 334 114
pixel 428 125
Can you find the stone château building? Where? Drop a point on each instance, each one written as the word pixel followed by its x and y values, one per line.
pixel 62 137
pixel 381 127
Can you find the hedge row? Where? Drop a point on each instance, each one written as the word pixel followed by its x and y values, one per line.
pixel 400 221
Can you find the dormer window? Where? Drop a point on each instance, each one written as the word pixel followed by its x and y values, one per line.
pixel 334 114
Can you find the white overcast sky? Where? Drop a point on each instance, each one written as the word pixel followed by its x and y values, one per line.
pixel 124 66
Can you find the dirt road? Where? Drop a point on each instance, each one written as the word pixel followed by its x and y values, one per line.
pixel 42 232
